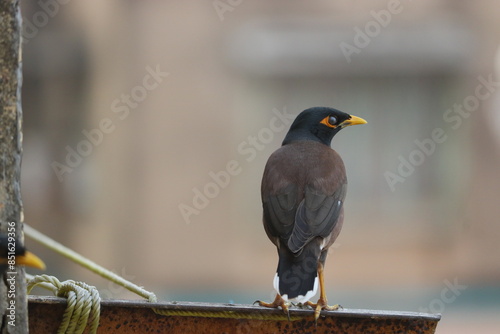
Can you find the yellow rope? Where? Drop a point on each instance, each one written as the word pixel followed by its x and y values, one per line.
pixel 225 314
pixel 86 263
pixel 84 303
pixel 219 314
pixel 73 291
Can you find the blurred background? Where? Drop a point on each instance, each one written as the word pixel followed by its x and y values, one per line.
pixel 147 126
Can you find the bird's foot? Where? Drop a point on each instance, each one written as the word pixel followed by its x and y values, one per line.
pixel 278 302
pixel 322 304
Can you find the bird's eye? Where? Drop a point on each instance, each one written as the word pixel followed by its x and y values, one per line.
pixel 330 121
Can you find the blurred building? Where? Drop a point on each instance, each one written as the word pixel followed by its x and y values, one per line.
pixel 148 124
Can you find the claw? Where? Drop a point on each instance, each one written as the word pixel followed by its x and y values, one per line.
pixel 278 302
pixel 321 305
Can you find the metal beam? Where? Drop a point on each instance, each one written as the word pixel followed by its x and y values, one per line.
pixel 125 316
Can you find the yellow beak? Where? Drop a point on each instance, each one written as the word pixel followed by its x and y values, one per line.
pixel 353 121
pixel 31 260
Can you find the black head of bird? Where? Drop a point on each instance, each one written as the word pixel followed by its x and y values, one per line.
pixel 13 251
pixel 303 191
pixel 319 124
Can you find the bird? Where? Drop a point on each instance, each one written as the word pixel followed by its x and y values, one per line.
pixel 303 190
pixel 12 249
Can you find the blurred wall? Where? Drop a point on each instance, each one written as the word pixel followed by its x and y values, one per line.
pixel 182 103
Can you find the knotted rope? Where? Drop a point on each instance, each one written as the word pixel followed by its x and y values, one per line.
pixel 84 303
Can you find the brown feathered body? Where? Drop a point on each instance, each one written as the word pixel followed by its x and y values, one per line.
pixel 303 191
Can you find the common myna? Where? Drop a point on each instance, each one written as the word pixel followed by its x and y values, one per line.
pixel 303 191
pixel 12 252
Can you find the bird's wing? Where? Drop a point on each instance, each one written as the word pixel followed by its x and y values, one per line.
pixel 279 211
pixel 317 215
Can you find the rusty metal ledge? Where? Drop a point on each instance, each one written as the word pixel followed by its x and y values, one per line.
pixel 126 316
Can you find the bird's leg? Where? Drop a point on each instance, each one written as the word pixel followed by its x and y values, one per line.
pixel 278 302
pixel 322 303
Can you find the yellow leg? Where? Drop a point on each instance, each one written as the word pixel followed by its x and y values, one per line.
pixel 278 302
pixel 322 303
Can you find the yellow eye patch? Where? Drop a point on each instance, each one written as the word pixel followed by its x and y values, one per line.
pixel 329 121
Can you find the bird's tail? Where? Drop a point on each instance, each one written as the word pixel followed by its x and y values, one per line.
pixel 297 274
